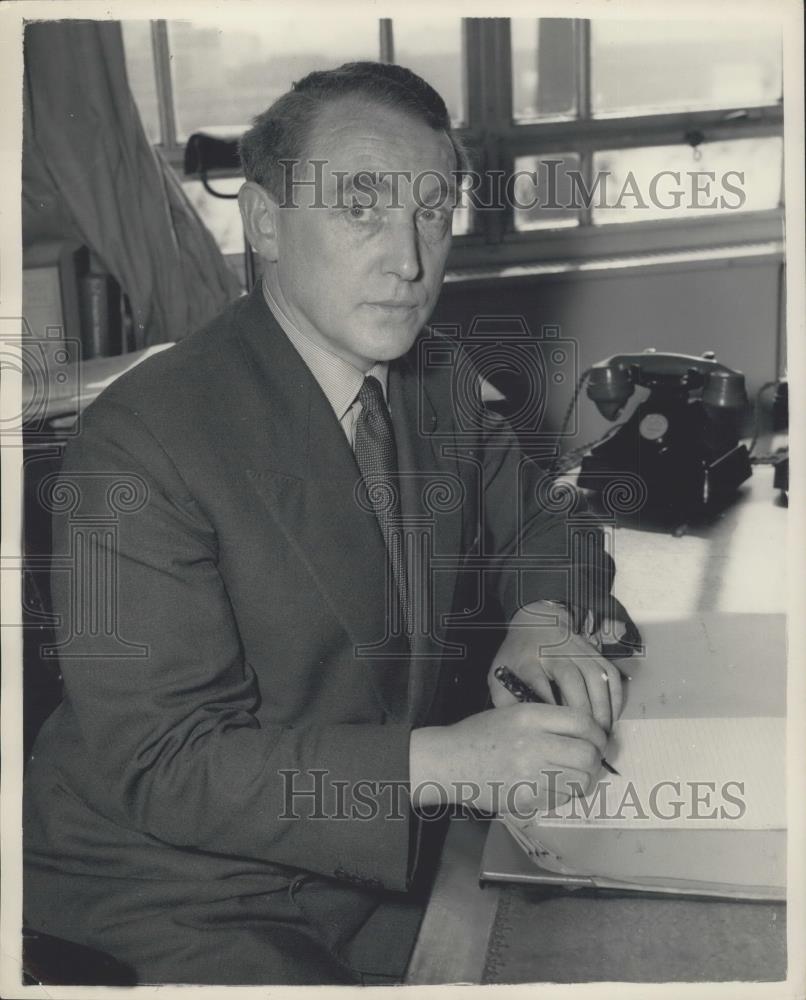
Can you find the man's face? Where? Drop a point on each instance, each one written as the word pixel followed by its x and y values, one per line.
pixel 359 278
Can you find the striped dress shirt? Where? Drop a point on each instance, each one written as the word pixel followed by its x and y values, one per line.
pixel 337 378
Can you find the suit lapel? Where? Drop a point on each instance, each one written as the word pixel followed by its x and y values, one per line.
pixel 302 466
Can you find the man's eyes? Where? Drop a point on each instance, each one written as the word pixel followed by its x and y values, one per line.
pixel 361 213
pixel 432 222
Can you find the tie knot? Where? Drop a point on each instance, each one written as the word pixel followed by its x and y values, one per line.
pixel 370 395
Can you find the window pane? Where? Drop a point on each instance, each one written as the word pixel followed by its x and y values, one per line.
pixel 463 214
pixel 631 185
pixel 639 67
pixel 432 48
pixel 226 77
pixel 140 70
pixel 543 191
pixel 543 68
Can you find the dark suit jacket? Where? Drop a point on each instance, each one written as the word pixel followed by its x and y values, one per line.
pixel 223 642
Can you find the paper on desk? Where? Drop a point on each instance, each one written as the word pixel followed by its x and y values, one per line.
pixel 687 774
pixel 84 381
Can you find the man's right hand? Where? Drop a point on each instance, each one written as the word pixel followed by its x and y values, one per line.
pixel 519 758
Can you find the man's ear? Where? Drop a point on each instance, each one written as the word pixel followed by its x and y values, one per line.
pixel 259 215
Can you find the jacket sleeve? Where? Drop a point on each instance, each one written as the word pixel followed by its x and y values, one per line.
pixel 548 544
pixel 165 701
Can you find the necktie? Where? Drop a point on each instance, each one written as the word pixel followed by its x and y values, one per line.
pixel 376 455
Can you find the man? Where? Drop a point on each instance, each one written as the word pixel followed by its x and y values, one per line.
pixel 233 788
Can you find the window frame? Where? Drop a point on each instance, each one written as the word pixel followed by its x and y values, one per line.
pixel 496 139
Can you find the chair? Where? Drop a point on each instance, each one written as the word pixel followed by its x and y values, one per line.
pixel 205 152
pixel 48 960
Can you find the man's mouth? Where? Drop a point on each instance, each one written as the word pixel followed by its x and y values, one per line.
pixel 393 304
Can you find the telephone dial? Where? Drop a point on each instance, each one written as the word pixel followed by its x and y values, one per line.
pixel 682 441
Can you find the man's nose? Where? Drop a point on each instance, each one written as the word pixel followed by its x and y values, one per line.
pixel 402 251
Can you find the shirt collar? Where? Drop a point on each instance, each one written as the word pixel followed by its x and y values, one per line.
pixel 339 380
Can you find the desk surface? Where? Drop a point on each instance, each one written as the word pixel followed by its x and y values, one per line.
pixel 732 563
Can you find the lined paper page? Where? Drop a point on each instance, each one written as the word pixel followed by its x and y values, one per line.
pixel 687 774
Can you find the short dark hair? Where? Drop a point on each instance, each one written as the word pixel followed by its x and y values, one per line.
pixel 282 131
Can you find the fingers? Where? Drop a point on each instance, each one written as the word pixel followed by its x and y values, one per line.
pixel 616 691
pixel 537 680
pixel 501 698
pixel 570 680
pixel 589 684
pixel 550 788
pixel 601 678
pixel 605 689
pixel 597 685
pixel 580 756
pixel 532 675
pixel 538 753
pixel 559 721
pixel 581 677
pixel 568 784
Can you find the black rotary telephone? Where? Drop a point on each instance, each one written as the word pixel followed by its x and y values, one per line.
pixel 682 441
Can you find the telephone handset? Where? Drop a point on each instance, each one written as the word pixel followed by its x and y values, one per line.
pixel 612 382
pixel 682 441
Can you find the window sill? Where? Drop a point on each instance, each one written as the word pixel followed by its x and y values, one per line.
pixel 628 264
pixel 586 243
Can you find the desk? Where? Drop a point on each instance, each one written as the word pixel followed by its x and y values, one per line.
pixel 734 562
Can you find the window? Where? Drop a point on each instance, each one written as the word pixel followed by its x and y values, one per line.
pixel 225 78
pixel 432 48
pixel 543 192
pixel 675 182
pixel 640 67
pixel 592 138
pixel 211 79
pixel 543 69
pixel 661 125
pixel 137 44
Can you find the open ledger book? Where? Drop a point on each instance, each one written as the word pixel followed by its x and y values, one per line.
pixel 698 806
pixel 712 774
pixel 705 708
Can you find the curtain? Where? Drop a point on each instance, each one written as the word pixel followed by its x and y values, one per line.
pixel 90 173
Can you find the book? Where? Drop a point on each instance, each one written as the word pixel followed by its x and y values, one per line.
pixel 738 865
pixel 699 804
pixel 101 312
pixel 675 774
